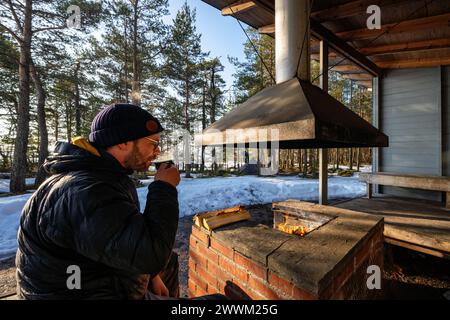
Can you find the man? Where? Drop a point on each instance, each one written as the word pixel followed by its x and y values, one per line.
pixel 84 220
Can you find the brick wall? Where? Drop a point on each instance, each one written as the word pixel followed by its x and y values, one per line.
pixel 215 267
pixel 351 283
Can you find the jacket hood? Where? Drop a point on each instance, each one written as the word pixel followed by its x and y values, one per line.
pixel 81 155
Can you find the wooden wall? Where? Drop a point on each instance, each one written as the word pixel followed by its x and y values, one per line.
pixel 446 120
pixel 413 112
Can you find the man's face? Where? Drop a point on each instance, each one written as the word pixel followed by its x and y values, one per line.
pixel 142 153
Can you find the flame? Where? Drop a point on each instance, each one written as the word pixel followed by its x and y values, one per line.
pixel 298 230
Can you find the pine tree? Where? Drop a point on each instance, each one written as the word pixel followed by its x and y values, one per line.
pixel 130 51
pixel 252 75
pixel 23 21
pixel 9 63
pixel 183 60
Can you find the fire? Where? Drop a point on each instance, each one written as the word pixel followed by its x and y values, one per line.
pixel 298 230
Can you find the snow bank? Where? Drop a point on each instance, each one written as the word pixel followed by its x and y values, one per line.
pixel 208 194
pixel 10 208
pixel 199 195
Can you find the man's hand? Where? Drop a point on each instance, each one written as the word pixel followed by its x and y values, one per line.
pixel 168 174
pixel 158 287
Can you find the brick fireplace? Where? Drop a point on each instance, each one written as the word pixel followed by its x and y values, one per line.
pixel 254 260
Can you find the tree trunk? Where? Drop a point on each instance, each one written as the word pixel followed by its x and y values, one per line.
pixel 69 123
pixel 125 39
pixel 135 85
pixel 212 118
pixel 202 165
pixel 214 160
pixel 19 165
pixel 358 156
pixel 351 159
pixel 224 158
pixel 187 127
pixel 305 162
pixel 311 161
pixel 337 158
pixel 76 101
pixel 56 122
pixel 42 125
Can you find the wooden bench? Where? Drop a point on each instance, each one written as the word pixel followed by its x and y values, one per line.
pixel 424 182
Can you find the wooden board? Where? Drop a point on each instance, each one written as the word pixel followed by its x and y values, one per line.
pixel 414 247
pixel 226 218
pixel 418 222
pixel 435 183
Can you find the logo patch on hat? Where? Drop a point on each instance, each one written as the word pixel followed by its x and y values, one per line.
pixel 151 126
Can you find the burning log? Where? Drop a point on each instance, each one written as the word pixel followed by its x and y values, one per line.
pixel 292 229
pixel 297 221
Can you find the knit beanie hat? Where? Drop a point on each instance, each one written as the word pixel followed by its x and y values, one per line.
pixel 122 122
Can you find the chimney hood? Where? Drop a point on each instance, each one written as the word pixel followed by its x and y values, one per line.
pixel 301 114
pixel 293 113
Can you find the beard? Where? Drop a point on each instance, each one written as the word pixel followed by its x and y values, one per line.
pixel 136 160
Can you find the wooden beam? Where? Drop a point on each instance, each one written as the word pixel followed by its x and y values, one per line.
pixel 316 56
pixel 346 68
pixel 266 6
pixel 415 247
pixel 413 63
pixel 352 8
pixel 406 46
pixel 357 76
pixel 238 7
pixel 343 48
pixel 415 181
pixel 269 29
pixel 432 22
pixel 366 84
pixel 323 153
pixel 322 33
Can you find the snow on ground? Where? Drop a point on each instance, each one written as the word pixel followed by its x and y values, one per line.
pixel 205 194
pixel 4 184
pixel 200 195
pixel 10 208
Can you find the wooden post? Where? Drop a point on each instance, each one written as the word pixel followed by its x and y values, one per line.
pixel 323 176
pixel 376 121
pixel 369 190
pixel 447 200
pixel 323 153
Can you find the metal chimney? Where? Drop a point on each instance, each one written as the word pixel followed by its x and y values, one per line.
pixel 292 39
pixel 301 115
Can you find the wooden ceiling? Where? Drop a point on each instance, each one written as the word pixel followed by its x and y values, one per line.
pixel 414 33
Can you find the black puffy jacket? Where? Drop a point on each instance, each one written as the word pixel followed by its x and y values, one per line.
pixel 87 214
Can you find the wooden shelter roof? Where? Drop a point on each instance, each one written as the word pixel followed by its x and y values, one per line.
pixel 414 33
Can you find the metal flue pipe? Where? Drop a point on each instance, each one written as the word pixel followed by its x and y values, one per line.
pixel 292 33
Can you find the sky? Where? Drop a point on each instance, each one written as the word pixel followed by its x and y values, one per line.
pixel 221 36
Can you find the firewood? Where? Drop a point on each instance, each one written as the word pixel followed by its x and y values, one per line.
pixel 215 219
pixel 224 219
pixel 198 218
